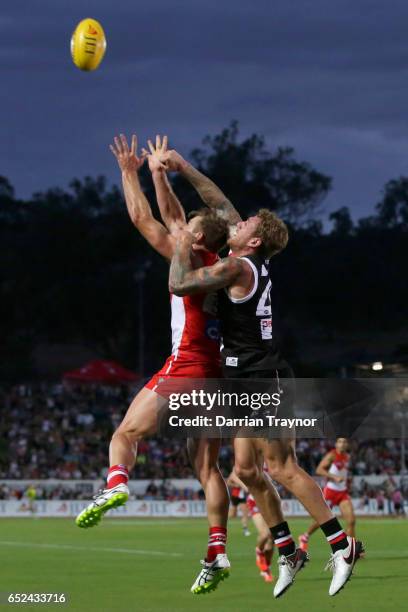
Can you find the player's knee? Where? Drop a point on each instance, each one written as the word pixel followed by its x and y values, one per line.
pixel 248 474
pixel 133 432
pixel 205 468
pixel 205 472
pixel 282 471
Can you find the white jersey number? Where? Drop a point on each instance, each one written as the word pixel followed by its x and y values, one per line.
pixel 264 305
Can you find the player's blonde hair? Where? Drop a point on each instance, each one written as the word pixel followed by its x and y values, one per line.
pixel 272 231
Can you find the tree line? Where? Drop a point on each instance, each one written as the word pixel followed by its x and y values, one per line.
pixel 70 258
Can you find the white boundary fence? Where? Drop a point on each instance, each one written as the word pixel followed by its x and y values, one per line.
pixel 153 508
pixel 138 487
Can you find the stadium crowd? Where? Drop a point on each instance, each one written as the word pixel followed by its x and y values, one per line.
pixel 62 432
pixel 163 491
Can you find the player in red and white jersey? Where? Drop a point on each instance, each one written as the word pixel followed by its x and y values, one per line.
pixel 337 461
pixel 335 468
pixel 195 352
pixel 195 336
pixel 238 497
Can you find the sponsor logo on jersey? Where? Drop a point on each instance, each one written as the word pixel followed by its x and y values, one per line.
pixel 232 361
pixel 266 329
pixel 212 329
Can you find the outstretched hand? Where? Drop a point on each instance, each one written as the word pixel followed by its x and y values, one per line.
pixel 156 154
pixel 159 158
pixel 173 161
pixel 127 159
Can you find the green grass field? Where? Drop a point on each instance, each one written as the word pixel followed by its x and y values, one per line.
pixel 149 565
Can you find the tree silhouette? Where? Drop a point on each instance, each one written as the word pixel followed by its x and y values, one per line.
pixel 342 221
pixel 393 208
pixel 69 257
pixel 252 177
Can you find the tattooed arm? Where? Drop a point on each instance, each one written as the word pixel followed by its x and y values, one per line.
pixel 184 280
pixel 208 191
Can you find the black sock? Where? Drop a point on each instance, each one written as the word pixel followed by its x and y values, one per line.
pixel 283 539
pixel 334 534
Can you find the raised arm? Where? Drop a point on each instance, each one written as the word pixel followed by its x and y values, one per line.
pixel 234 481
pixel 171 210
pixel 136 202
pixel 208 191
pixel 184 280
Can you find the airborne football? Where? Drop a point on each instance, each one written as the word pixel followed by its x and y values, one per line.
pixel 204 372
pixel 88 45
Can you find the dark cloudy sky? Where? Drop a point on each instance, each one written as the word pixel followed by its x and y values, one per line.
pixel 326 77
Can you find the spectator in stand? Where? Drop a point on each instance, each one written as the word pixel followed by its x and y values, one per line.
pixel 56 431
pixel 398 502
pixel 151 491
pixel 381 501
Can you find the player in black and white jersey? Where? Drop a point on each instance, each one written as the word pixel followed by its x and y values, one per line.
pixel 249 351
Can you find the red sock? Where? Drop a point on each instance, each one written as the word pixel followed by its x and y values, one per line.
pixel 217 540
pixel 118 474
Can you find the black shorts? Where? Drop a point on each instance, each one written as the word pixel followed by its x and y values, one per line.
pixel 236 501
pixel 280 383
pixel 280 380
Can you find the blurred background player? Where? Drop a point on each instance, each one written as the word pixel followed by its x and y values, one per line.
pixel 398 503
pixel 380 498
pixel 264 542
pixel 238 495
pixel 335 468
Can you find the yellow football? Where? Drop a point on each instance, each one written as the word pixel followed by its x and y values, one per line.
pixel 88 44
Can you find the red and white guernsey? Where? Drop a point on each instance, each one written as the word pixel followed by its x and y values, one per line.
pixel 239 493
pixel 339 467
pixel 195 336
